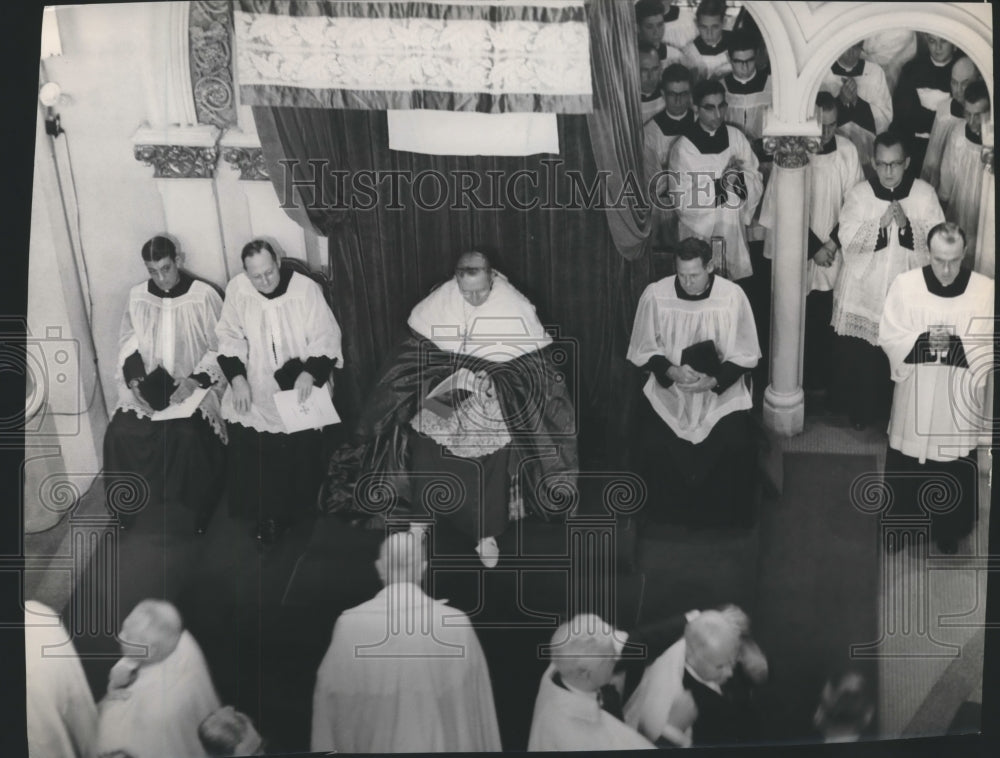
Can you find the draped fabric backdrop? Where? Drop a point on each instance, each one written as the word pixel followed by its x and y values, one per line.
pixel 385 258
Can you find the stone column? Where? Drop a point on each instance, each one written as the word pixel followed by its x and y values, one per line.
pixel 985 262
pixel 784 400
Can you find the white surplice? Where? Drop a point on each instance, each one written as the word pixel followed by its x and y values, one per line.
pixel 177 333
pixel 961 185
pixel 60 710
pixel 873 89
pixel 746 110
pixel 690 181
pixel 571 720
pixel 501 329
pixel 831 175
pixel 404 673
pixel 266 333
pixel 866 273
pixel 945 121
pixel 157 716
pixel 938 412
pixel 666 324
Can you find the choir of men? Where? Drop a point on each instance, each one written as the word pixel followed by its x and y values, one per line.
pixel 706 55
pixel 949 114
pixel 937 330
pixel 883 232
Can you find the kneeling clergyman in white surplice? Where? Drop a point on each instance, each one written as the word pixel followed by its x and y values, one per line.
pixel 937 330
pixel 156 699
pixel 883 232
pixel 695 333
pixel 404 672
pixel 60 710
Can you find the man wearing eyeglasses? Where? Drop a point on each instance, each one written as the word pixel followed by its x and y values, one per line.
pixel 883 232
pixel 748 88
pixel 661 132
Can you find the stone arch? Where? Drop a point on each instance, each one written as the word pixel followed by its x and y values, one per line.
pixel 779 47
pixel 953 23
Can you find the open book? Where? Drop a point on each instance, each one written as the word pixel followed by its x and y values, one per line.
pixel 451 392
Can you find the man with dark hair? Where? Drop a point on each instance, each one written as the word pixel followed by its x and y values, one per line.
pixel 276 333
pixel 649 79
pixel 949 115
pixel 650 20
pixel 937 330
pixel 706 55
pixel 962 169
pixel 694 333
pixel 865 103
pixel 661 132
pixel 883 232
pixel 716 181
pixel 166 353
pixel 748 87
pixel 835 169
pixel 924 82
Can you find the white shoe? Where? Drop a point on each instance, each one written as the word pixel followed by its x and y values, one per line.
pixel 489 552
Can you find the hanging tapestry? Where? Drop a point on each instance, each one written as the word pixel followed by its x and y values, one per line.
pixel 530 56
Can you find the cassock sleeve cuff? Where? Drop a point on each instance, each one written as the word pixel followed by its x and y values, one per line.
pixel 231 367
pixel 203 379
pixel 835 235
pixel 729 373
pixel 882 240
pixel 659 365
pixel 319 367
pixel 133 368
pixel 920 352
pixel 813 244
pixel 861 114
pixel 906 237
pixel 956 353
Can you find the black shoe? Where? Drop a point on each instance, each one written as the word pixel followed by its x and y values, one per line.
pixel 947 545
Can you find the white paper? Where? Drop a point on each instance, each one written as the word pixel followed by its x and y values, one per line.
pixel 183 409
pixel 435 132
pixel 315 413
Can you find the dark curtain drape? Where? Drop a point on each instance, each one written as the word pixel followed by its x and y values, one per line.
pixel 385 258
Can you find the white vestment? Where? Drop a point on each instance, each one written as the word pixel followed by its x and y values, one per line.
pixel 661 143
pixel 873 89
pixel 404 673
pixel 266 333
pixel 961 186
pixel 60 710
pixel 650 108
pixel 704 67
pixel 666 324
pixel 570 720
pixel 690 181
pixel 866 273
pixel 662 682
pixel 938 411
pixel 501 329
pixel 890 49
pixel 682 31
pixel 831 175
pixel 157 716
pixel 746 111
pixel 945 122
pixel 177 333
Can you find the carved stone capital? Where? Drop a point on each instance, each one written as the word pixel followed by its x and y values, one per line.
pixel 179 161
pixel 791 151
pixel 249 161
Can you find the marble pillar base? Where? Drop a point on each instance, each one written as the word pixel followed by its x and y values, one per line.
pixel 784 413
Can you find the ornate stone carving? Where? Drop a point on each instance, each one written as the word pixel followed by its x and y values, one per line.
pixel 179 161
pixel 249 160
pixel 791 152
pixel 210 33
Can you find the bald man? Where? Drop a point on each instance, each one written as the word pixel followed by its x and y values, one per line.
pixel 157 699
pixel 950 113
pixel 404 672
